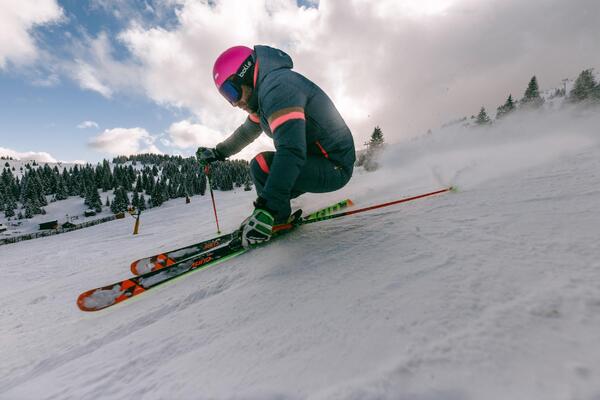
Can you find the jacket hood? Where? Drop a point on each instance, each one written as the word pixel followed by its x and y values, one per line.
pixel 270 59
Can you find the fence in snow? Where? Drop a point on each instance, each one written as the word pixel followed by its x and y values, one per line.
pixel 57 231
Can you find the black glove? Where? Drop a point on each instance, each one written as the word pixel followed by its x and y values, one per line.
pixel 206 155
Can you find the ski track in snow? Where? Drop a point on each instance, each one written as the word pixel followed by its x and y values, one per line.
pixel 491 292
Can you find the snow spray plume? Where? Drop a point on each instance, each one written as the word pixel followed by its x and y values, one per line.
pixel 212 196
pixel 469 156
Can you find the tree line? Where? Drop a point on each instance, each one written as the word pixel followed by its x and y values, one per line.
pixel 140 181
pixel 585 90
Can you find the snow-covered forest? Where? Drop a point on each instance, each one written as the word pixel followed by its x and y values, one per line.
pixel 140 181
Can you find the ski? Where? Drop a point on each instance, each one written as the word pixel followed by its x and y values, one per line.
pixel 159 261
pixel 166 259
pixel 106 296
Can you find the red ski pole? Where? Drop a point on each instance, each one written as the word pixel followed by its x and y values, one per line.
pixel 391 203
pixel 346 213
pixel 212 196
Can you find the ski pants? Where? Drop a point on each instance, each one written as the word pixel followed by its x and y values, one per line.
pixel 318 174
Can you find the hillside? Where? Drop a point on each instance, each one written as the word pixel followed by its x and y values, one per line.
pixel 491 292
pixel 31 193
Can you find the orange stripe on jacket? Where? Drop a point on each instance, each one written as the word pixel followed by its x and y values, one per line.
pixel 255 77
pixel 262 163
pixel 282 116
pixel 254 118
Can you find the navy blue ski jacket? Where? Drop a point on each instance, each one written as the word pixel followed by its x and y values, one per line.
pixel 301 119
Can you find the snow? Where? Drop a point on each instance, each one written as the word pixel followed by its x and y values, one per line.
pixel 492 292
pixel 19 165
pixel 71 210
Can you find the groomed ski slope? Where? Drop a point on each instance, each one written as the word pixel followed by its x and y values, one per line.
pixel 489 293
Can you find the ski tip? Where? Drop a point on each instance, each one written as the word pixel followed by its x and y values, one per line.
pixel 134 268
pixel 453 189
pixel 82 301
pixel 349 203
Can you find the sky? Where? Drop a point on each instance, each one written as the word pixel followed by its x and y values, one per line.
pixel 86 80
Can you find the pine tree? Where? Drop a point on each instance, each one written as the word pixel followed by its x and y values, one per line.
pixel 61 189
pixel 506 108
pixel 120 201
pixel 584 88
pixel 29 211
pixel 157 198
pixel 139 185
pixel 374 146
pixel 135 200
pixel 376 138
pixel 596 93
pixel 106 177
pixel 30 195
pixel 87 198
pixel 93 200
pixel 151 186
pixel 141 203
pixel 125 197
pixel 9 208
pixel 532 96
pixel 9 203
pixel 483 118
pixel 182 190
pixel 172 189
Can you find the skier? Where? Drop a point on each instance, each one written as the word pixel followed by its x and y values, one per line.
pixel 314 149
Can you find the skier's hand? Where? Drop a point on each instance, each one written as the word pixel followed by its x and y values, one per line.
pixel 206 155
pixel 257 228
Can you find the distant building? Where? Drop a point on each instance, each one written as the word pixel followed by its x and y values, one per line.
pixel 68 225
pixel 49 225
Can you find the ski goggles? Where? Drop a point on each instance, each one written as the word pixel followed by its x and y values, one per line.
pixel 231 91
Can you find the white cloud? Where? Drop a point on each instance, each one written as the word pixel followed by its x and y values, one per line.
pixel 95 68
pixel 17 19
pixel 177 63
pixel 124 141
pixel 87 77
pixel 87 124
pixel 39 156
pixel 50 80
pixel 406 66
pixel 187 135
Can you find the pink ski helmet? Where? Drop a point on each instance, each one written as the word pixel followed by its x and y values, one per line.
pixel 232 68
